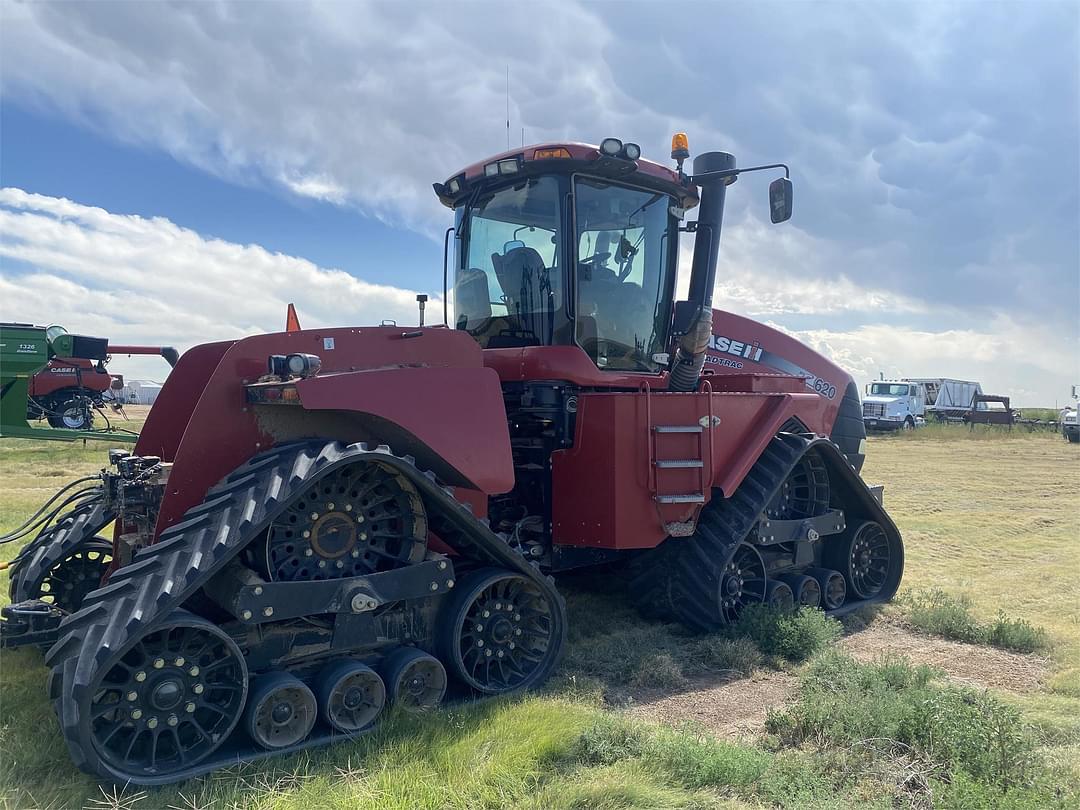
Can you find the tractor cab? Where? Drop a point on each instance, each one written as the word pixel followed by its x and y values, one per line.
pixel 567 244
pixel 574 245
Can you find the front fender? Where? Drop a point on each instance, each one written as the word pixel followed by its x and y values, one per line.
pixel 445 417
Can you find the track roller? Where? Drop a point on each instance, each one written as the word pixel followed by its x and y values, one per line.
pixel 833 587
pixel 807 590
pixel 500 632
pixel 779 596
pixel 351 695
pixel 415 681
pixel 281 710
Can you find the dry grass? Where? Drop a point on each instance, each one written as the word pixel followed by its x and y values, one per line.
pixel 998 521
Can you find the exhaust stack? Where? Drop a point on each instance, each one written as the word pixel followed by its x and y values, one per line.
pixel 695 324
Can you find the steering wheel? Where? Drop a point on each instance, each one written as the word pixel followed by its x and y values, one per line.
pixel 596 258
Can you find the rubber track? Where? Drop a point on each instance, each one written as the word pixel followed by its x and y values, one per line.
pixel 161 577
pixel 681 579
pixel 54 544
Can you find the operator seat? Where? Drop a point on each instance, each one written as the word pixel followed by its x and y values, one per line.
pixel 520 274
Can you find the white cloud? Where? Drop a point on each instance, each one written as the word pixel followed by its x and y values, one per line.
pixel 361 104
pixel 1032 364
pixel 149 281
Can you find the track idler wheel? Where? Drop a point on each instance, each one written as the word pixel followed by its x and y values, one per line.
pixel 805 492
pixel 500 632
pixel 865 556
pixel 833 587
pixel 807 590
pixel 414 680
pixel 281 710
pixel 169 701
pixel 742 582
pixel 780 596
pixel 351 695
pixel 69 581
pixel 358 520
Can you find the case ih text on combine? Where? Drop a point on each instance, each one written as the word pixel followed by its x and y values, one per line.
pixel 317 524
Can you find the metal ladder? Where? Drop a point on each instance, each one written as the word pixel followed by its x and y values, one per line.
pixel 658 462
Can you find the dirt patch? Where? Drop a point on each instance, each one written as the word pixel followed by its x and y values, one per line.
pixel 731 709
pixel 973 665
pixel 736 708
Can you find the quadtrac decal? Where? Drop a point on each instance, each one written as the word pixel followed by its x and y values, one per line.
pixel 756 354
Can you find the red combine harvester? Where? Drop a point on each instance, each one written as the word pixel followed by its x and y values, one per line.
pixel 68 390
pixel 316 524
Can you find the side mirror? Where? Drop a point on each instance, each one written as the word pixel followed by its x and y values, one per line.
pixel 780 193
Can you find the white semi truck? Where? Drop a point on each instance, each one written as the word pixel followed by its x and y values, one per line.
pixel 904 404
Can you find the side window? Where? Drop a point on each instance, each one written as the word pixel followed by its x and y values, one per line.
pixel 508 288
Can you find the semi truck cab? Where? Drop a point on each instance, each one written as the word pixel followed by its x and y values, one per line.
pixel 894 405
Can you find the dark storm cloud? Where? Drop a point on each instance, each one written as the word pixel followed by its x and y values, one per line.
pixel 947 131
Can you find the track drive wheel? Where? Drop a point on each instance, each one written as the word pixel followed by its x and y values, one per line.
pixel 359 520
pixel 414 680
pixel 804 493
pixel 499 631
pixel 351 695
pixel 169 701
pixel 67 583
pixel 280 712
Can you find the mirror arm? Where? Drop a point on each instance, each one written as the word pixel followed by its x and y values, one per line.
pixel 736 172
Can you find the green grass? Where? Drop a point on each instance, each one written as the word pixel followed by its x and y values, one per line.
pixel 938 613
pixel 996 520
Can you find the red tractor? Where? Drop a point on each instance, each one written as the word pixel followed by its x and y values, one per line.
pixel 317 524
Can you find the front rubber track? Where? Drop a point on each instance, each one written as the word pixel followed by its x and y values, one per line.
pixel 162 576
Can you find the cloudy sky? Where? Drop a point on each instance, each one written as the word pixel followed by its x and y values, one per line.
pixel 174 173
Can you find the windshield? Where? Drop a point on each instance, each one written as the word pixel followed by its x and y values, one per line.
pixel 890 390
pixel 623 274
pixel 508 292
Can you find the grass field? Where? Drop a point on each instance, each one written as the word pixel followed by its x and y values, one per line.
pixel 993 517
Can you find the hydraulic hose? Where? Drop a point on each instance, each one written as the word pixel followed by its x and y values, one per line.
pixel 44 514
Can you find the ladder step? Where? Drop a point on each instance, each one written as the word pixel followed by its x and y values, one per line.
pixel 693 497
pixel 677 428
pixel 680 463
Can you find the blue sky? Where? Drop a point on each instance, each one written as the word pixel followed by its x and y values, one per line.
pixel 178 172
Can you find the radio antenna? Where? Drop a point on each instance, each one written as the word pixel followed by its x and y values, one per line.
pixel 508 108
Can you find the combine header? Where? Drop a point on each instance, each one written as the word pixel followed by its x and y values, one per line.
pixel 317 524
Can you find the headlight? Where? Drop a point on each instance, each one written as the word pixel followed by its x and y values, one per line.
pixel 303 365
pixel 610 147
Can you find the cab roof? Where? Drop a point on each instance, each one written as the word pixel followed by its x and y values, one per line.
pixel 564 158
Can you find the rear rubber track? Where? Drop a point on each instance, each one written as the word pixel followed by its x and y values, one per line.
pixel 681 579
pixel 54 544
pixel 141 595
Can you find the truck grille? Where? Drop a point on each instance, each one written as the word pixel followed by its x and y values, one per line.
pixel 873 410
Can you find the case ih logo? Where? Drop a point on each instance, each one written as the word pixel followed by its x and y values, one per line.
pixel 63 370
pixel 719 343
